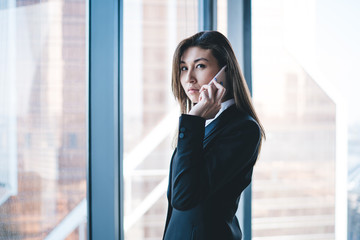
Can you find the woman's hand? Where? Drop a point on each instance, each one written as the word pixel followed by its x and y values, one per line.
pixel 209 100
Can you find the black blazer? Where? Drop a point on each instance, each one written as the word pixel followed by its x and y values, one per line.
pixel 209 169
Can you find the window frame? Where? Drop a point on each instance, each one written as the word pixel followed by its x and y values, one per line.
pixel 104 195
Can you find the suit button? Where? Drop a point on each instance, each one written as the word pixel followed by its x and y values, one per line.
pixel 182 129
pixel 181 135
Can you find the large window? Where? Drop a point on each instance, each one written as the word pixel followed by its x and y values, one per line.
pixel 303 89
pixel 43 119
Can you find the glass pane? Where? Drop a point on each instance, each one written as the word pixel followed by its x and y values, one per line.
pixel 152 30
pixel 305 87
pixel 43 117
pixel 294 181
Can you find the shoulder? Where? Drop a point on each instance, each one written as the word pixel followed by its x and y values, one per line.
pixel 236 121
pixel 235 117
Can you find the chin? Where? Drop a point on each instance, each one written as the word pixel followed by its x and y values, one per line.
pixel 193 100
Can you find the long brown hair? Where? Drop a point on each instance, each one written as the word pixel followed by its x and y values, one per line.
pixel 221 49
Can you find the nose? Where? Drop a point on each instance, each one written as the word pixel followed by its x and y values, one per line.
pixel 190 77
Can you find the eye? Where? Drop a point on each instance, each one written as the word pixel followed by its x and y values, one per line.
pixel 200 66
pixel 183 69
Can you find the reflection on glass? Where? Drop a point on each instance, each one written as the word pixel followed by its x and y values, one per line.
pixel 152 30
pixel 294 180
pixel 43 120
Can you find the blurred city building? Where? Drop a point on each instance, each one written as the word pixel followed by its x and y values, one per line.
pixel 45 74
pixel 294 179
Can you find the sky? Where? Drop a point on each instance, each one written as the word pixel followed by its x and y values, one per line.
pixel 324 37
pixel 338 49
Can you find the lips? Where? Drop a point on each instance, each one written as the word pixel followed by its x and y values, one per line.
pixel 193 90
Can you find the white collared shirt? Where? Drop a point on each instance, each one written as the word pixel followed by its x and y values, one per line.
pixel 224 106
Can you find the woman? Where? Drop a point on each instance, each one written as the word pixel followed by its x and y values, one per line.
pixel 218 141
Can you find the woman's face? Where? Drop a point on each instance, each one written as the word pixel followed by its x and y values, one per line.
pixel 197 67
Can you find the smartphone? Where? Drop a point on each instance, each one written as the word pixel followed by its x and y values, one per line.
pixel 220 76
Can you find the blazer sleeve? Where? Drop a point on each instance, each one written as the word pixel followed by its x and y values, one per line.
pixel 196 173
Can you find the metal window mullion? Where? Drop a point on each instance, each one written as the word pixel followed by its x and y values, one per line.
pixel 239 34
pixel 207 10
pixel 104 123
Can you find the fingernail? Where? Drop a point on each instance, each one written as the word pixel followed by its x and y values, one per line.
pixel 221 83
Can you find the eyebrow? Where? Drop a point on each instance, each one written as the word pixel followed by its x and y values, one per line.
pixel 197 60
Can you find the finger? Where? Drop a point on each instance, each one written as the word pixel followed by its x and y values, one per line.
pixel 208 90
pixel 218 85
pixel 206 86
pixel 202 88
pixel 214 90
pixel 212 81
pixel 220 91
pixel 221 95
pixel 204 95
